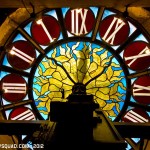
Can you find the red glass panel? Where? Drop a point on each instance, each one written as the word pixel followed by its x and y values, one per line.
pixel 79 21
pixel 136 115
pixel 45 30
pixel 141 90
pixel 22 113
pixel 14 87
pixel 114 30
pixel 137 55
pixel 21 55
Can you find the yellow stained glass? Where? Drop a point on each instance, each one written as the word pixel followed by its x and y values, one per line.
pixel 80 63
pixel 57 75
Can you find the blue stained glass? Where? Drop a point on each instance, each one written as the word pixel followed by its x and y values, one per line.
pixel 44 116
pixel 7 112
pixel 24 136
pixel 136 140
pixel 69 34
pixel 64 11
pixel 132 99
pixel 89 35
pixel 3 74
pixel 28 70
pixel 107 13
pixel 115 60
pixel 132 28
pixel 28 106
pixel 121 54
pixel 132 80
pixel 42 108
pixel 6 102
pixel 131 71
pixel 50 54
pixel 95 11
pixel 27 28
pixel 19 37
pixel 128 147
pixel 141 37
pixel 30 145
pixel 129 108
pixel 98 37
pixel 58 52
pixel 37 53
pixel 148 112
pixel 5 62
pixel 26 98
pixel 115 47
pixel 115 111
pixel 52 13
pixel 60 37
pixel 43 47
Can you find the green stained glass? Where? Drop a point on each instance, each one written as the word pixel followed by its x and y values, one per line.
pixel 80 62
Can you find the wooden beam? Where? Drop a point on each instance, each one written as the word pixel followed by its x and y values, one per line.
pixel 10 106
pixel 133 130
pixel 68 3
pixel 126 130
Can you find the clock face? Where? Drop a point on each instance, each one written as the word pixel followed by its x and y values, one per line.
pixel 77 50
pixel 85 65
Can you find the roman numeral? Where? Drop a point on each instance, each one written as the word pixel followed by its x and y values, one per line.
pixel 26 115
pixel 22 55
pixel 145 52
pixel 119 25
pixel 40 22
pixel 134 117
pixel 14 87
pixel 139 88
pixel 75 21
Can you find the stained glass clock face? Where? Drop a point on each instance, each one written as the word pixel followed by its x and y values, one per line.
pixel 85 63
pixel 98 51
